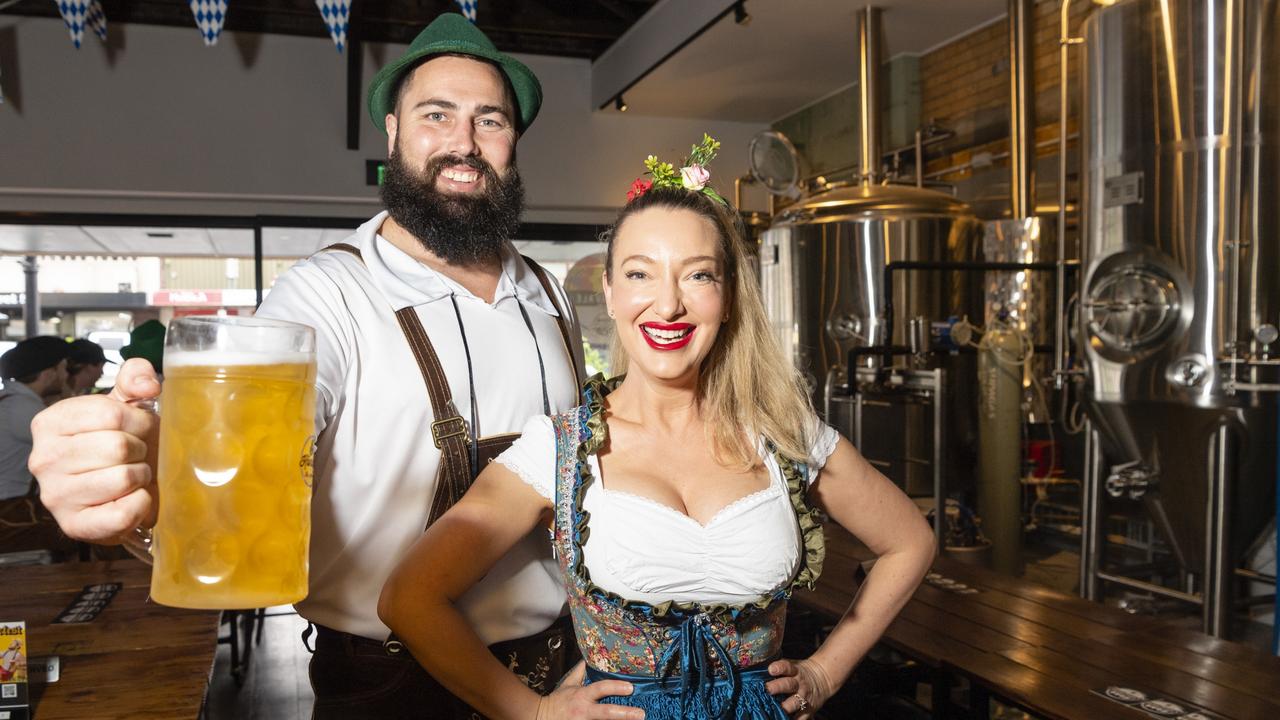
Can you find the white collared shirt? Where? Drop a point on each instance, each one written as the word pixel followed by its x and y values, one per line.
pixel 375 462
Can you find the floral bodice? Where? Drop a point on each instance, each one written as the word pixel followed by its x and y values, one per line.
pixel 685 640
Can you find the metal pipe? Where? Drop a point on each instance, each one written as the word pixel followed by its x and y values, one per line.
pixel 964 266
pixel 1151 588
pixel 939 480
pixel 257 265
pixel 1256 576
pixel 1065 41
pixel 938 136
pixel 1219 578
pixel 1090 515
pixel 989 159
pixel 919 158
pixel 1022 121
pixel 1233 387
pixel 31 310
pixel 869 94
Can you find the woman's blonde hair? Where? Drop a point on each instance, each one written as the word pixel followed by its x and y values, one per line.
pixel 747 388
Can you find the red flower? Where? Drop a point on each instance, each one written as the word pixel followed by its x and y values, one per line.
pixel 638 188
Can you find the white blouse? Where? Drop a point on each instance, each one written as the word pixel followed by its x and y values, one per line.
pixel 643 550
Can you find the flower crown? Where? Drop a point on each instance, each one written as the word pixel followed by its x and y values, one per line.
pixel 693 174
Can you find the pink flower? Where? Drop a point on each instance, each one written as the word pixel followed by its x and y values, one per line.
pixel 694 177
pixel 638 188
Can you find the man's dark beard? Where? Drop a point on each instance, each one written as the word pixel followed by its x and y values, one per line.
pixel 459 229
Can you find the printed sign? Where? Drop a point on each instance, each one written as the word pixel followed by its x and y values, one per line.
pixel 44 670
pixel 91 601
pixel 15 703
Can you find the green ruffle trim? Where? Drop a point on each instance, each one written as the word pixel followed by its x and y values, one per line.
pixel 594 390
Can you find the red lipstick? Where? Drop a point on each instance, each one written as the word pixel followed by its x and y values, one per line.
pixel 675 343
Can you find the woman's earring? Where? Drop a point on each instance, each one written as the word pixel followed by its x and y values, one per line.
pixel 611 312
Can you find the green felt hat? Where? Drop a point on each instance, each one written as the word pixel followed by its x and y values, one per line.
pixel 452 33
pixel 146 341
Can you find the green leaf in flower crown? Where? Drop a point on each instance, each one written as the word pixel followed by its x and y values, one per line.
pixel 711 193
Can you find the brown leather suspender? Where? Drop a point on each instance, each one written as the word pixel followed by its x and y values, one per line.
pixel 449 429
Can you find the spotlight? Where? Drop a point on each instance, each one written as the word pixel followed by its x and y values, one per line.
pixel 620 104
pixel 740 15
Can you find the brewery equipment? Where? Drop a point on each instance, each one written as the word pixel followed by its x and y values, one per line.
pixel 848 272
pixel 1181 285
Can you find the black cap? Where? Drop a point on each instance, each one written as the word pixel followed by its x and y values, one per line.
pixel 86 352
pixel 33 355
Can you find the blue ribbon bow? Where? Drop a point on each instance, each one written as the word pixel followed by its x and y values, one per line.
pixel 696 638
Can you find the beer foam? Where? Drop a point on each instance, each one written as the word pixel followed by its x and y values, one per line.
pixel 232 358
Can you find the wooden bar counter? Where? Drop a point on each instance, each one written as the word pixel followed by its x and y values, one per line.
pixel 135 660
pixel 1051 653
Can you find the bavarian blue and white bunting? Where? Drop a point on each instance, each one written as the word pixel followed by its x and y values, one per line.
pixel 81 14
pixel 209 15
pixel 468 8
pixel 336 15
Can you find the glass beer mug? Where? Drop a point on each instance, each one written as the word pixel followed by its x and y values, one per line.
pixel 236 422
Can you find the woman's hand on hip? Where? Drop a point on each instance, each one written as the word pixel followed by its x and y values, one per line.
pixel 805 685
pixel 575 701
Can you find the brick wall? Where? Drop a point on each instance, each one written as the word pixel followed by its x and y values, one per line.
pixel 965 87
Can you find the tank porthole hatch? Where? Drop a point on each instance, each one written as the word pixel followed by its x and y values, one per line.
pixel 1131 310
pixel 775 163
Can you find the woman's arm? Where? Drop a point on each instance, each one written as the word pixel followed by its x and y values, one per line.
pixel 417 602
pixel 875 511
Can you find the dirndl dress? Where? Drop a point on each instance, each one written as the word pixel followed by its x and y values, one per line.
pixel 684 660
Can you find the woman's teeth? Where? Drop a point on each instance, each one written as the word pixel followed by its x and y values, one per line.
pixel 665 335
pixel 462 176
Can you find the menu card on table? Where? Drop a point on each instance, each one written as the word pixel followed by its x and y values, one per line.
pixel 14 701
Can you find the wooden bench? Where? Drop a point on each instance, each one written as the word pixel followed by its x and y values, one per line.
pixel 1048 652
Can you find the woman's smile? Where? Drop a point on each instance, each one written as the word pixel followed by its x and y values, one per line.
pixel 667 336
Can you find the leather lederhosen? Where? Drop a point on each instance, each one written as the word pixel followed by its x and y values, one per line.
pixel 541 659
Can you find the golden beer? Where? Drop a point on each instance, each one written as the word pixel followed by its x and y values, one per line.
pixel 235 479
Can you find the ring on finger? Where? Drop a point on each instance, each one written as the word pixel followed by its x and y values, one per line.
pixel 804 703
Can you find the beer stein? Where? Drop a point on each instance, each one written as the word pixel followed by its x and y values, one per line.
pixel 234 470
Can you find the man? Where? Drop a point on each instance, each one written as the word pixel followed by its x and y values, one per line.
pixel 438 265
pixel 85 362
pixel 35 372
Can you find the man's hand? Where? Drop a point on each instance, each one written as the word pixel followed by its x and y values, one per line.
pixel 94 457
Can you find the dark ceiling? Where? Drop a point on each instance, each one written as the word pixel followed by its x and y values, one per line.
pixel 570 28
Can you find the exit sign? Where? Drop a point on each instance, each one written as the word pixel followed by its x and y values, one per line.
pixel 374 171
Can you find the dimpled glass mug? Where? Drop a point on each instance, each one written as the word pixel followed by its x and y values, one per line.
pixel 234 469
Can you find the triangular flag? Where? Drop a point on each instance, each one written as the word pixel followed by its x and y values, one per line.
pixel 81 14
pixel 336 14
pixel 209 15
pixel 468 8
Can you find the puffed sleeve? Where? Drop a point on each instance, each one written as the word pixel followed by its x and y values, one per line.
pixel 822 442
pixel 533 456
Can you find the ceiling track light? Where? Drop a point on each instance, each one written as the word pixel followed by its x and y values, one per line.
pixel 619 104
pixel 740 14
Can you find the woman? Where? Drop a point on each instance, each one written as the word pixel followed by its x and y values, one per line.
pixel 682 497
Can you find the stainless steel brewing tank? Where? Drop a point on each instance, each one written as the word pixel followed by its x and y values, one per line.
pixel 822 266
pixel 1181 137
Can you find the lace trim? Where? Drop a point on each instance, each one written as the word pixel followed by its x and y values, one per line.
pixel 823 447
pixel 770 491
pixel 593 432
pixel 527 476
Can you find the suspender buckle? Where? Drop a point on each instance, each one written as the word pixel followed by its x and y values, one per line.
pixel 442 430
